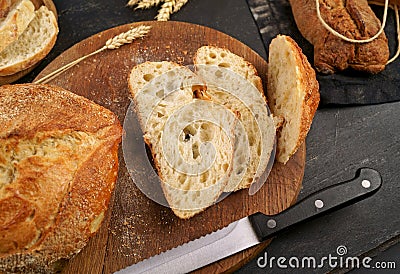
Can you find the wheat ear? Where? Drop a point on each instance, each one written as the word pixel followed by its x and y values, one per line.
pixel 131 3
pixel 166 10
pixel 112 43
pixel 146 4
pixel 179 4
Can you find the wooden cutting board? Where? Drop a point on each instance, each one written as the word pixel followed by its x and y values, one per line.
pixel 136 227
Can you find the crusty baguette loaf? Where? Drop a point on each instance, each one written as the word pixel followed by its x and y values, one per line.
pixel 355 20
pixel 234 82
pixel 15 17
pixel 293 94
pixel 58 167
pixel 32 46
pixel 177 129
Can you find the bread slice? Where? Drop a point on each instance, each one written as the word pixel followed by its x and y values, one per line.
pixel 32 46
pixel 293 94
pixel 234 83
pixel 15 17
pixel 191 140
pixel 216 56
pixel 58 168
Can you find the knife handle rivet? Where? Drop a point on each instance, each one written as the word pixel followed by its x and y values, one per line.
pixel 366 184
pixel 271 223
pixel 319 204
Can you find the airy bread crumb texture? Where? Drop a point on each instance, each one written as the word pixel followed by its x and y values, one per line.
pixel 238 87
pixel 216 56
pixel 15 16
pixel 161 90
pixel 33 44
pixel 292 94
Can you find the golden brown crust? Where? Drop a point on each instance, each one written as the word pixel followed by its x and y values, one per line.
pixel 352 18
pixel 54 108
pixel 309 84
pixel 306 87
pixel 5 7
pixel 65 163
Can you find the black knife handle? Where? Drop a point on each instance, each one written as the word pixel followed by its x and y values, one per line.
pixel 366 182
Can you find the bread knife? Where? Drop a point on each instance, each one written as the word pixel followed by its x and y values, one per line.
pixel 254 229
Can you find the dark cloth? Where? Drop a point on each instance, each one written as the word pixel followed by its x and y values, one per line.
pixel 275 17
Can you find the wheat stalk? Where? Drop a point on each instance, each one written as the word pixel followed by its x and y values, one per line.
pixel 146 4
pixel 166 10
pixel 127 37
pixel 112 43
pixel 131 3
pixel 179 4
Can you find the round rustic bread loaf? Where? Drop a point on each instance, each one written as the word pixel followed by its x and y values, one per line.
pixel 58 167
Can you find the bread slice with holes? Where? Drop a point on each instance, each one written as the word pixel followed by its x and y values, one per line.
pixel 234 83
pixel 191 140
pixel 293 94
pixel 32 45
pixel 15 17
pixel 216 56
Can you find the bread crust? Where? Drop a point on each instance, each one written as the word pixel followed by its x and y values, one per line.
pixel 306 87
pixel 352 18
pixel 53 204
pixel 309 84
pixel 5 7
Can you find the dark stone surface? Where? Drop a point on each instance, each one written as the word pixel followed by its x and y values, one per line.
pixel 342 140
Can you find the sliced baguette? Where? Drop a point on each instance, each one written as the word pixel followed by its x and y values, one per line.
pixel 32 46
pixel 233 82
pixel 293 94
pixel 177 132
pixel 15 17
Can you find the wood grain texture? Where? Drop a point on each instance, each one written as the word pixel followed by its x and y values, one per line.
pixel 136 227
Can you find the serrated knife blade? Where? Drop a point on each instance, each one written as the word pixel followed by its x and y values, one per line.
pixel 252 230
pixel 238 235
